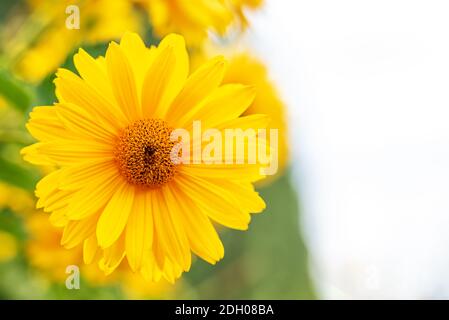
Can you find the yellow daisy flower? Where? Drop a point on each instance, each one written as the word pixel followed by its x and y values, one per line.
pixel 194 18
pixel 117 189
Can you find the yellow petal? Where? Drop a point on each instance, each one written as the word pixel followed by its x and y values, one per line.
pixel 77 176
pixel 150 271
pixel 139 56
pixel 69 152
pixel 50 196
pixel 93 72
pixel 32 155
pixel 71 88
pixel 172 271
pixel 45 125
pixel 76 232
pixel 225 103
pixel 113 256
pixel 170 236
pixel 243 193
pixel 93 197
pixel 139 230
pixel 216 205
pixel 175 212
pixel 243 172
pixel 81 123
pixel 254 121
pixel 198 86
pixel 165 77
pixel 57 200
pixel 158 251
pixel 203 238
pixel 58 218
pixel 48 184
pixel 123 81
pixel 90 249
pixel 115 216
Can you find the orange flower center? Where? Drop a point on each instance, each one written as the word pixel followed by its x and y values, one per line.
pixel 143 153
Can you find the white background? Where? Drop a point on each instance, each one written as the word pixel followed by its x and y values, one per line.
pixel 367 86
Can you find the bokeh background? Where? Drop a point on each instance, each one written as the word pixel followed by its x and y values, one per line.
pixel 268 262
pixel 361 208
pixel 366 83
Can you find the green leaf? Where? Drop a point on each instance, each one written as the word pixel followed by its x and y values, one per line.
pixel 17 175
pixel 12 223
pixel 6 7
pixel 15 92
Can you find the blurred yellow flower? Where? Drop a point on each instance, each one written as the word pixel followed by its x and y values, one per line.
pixel 194 18
pixel 11 125
pixel 239 7
pixel 3 103
pixel 8 246
pixel 43 248
pixel 117 190
pixel 135 288
pixel 43 41
pixel 46 55
pixel 100 20
pixel 16 199
pixel 246 69
pixel 46 255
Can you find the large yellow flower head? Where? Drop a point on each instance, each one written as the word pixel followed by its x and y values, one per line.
pixel 194 18
pixel 117 191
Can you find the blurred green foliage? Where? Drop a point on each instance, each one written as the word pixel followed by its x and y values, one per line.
pixel 17 93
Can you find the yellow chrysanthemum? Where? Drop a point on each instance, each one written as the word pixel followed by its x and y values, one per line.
pixel 100 20
pixel 193 19
pixel 117 190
